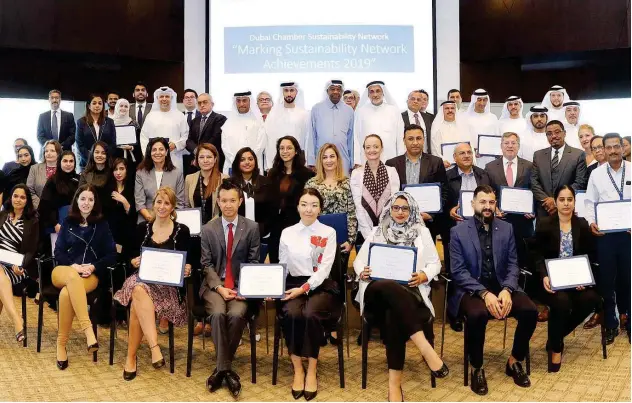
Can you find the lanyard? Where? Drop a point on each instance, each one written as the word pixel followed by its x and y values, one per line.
pixel 202 199
pixel 620 192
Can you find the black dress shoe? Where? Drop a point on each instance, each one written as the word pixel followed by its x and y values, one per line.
pixel 333 340
pixel 232 380
pixel 552 367
pixel 611 334
pixel 297 394
pixel 214 381
pixel 128 376
pixel 441 372
pixel 478 382
pixel 517 373
pixel 456 325
pixel 310 395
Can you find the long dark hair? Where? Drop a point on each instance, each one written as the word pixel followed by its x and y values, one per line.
pixel 563 187
pixel 30 150
pixel 216 175
pixel 29 211
pixel 129 174
pixel 74 214
pixel 236 170
pixel 147 164
pixel 66 182
pixel 88 116
pixel 298 162
pixel 92 165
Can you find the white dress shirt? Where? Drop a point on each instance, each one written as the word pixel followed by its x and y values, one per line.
pixel 600 188
pixel 411 119
pixel 514 168
pixel 561 152
pixel 58 116
pixel 305 260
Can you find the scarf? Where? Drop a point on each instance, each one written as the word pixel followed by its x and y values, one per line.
pixel 375 191
pixel 400 234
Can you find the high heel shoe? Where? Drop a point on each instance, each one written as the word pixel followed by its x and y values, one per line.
pixel 311 395
pixel 297 394
pixel 441 372
pixel 93 347
pixel 160 363
pixel 62 365
pixel 128 376
pixel 553 367
pixel 19 336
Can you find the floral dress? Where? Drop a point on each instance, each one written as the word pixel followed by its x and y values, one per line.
pixel 338 200
pixel 566 244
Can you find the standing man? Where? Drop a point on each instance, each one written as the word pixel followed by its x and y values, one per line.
pixel 226 243
pixel 206 128
pixel 560 164
pixel 481 120
pixel 332 122
pixel 264 103
pixel 140 108
pixel 511 119
pixel 553 101
pixel 56 124
pixel 534 137
pixel 112 97
pixel 416 114
pixel 189 100
pixel 378 114
pixel 454 95
pixel 485 274
pixel 611 182
pixel 351 98
pixel 243 128
pixel 448 127
pixel 571 123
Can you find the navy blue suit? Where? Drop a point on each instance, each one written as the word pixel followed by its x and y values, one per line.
pixel 66 130
pixel 86 137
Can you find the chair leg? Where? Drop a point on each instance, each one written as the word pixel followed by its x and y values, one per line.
pixel 603 342
pixel 347 328
pixel 275 351
pixel 466 359
pixel 341 354
pixel 528 360
pixel 172 362
pixel 203 335
pixel 190 343
pixel 265 309
pixel 505 334
pixel 253 349
pixel 433 379
pixel 24 342
pixel 40 322
pixel 112 331
pixel 445 317
pixel 96 336
pixel 366 330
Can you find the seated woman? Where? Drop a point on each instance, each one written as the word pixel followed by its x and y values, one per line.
pixel 564 235
pixel 83 252
pixel 149 301
pixel 26 159
pixel 399 310
pixel 308 249
pixel 40 173
pixel 200 188
pixel 19 232
pixel 98 172
pixel 58 191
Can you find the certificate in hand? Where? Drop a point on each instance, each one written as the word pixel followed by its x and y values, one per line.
pixel 125 135
pixel 392 262
pixel 580 203
pixel 613 216
pixel 162 266
pixel 447 150
pixel 427 196
pixel 516 200
pixel 569 272
pixel 465 203
pixel 192 218
pixel 11 258
pixel 489 146
pixel 262 280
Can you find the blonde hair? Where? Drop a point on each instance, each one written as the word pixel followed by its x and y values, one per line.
pixel 585 126
pixel 168 194
pixel 320 168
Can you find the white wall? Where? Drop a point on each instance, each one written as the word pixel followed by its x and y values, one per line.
pixel 194 44
pixel 448 48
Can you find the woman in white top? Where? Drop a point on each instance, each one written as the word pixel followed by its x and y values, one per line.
pixel 372 186
pixel 310 298
pixel 401 310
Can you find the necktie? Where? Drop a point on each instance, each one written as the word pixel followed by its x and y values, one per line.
pixel 417 119
pixel 54 127
pixel 139 118
pixel 189 118
pixel 229 282
pixel 202 123
pixel 555 161
pixel 509 174
pixel 264 116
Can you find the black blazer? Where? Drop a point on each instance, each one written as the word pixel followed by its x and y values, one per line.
pixel 428 118
pixel 66 130
pixel 288 214
pixel 266 196
pixel 547 235
pixel 454 185
pixel 212 133
pixel 193 116
pixel 85 138
pixel 28 246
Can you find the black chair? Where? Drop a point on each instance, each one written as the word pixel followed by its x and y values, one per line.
pixel 338 275
pixel 22 289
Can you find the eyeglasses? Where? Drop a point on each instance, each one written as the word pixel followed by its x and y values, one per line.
pixel 264 99
pixel 615 147
pixel 555 132
pixel 403 209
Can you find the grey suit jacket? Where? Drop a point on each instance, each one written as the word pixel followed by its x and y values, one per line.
pixel 133 113
pixel 146 187
pixel 213 242
pixel 36 182
pixel 572 172
pixel 496 173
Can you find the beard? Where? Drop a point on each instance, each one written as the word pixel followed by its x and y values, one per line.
pixel 289 99
pixel 481 217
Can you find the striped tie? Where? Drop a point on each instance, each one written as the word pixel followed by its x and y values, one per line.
pixel 555 161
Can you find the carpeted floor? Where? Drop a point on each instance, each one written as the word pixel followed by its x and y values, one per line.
pixel 26 375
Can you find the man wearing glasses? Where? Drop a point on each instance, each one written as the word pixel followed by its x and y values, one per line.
pixel 264 102
pixel 416 114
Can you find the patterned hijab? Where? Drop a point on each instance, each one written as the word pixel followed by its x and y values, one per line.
pixel 375 191
pixel 400 234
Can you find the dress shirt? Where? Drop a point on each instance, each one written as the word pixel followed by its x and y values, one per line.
pixel 159 178
pixel 488 272
pixel 56 135
pixel 600 188
pixel 411 119
pixel 561 152
pixel 331 123
pixel 225 227
pixel 300 262
pixel 468 181
pixel 412 170
pixel 514 168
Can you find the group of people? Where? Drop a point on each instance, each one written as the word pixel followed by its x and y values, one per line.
pixel 264 174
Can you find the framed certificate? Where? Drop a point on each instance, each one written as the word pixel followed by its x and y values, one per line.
pixel 262 280
pixel 580 203
pixel 162 266
pixel 569 272
pixel 392 262
pixel 427 196
pixel 489 146
pixel 192 218
pixel 465 203
pixel 11 258
pixel 125 135
pixel 447 150
pixel 516 200
pixel 613 216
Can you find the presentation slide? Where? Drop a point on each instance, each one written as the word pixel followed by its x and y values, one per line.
pixel 256 45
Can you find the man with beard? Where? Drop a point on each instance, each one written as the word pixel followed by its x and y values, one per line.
pixel 140 108
pixel 511 119
pixel 454 95
pixel 534 137
pixel 553 101
pixel 288 118
pixel 481 120
pixel 379 115
pixel 112 97
pixel 56 124
pixel 416 114
pixel 485 274
pixel 571 123
pixel 448 127
pixel 611 182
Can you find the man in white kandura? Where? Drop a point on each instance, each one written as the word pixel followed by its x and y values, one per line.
pixel 167 122
pixel 572 111
pixel 378 114
pixel 481 120
pixel 534 137
pixel 553 101
pixel 448 127
pixel 243 128
pixel 511 118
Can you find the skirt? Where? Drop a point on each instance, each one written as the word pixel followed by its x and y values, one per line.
pixel 14 278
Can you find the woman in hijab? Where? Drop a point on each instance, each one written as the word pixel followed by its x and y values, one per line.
pixel 401 310
pixel 20 174
pixel 131 152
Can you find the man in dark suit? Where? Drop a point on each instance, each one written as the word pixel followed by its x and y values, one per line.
pixel 140 108
pixel 416 109
pixel 485 276
pixel 226 243
pixel 189 100
pixel 207 128
pixel 416 167
pixel 557 165
pixel 56 124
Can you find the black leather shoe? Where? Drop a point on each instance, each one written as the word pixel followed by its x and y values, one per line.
pixel 478 382
pixel 441 372
pixel 611 334
pixel 232 380
pixel 128 376
pixel 456 325
pixel 214 381
pixel 519 376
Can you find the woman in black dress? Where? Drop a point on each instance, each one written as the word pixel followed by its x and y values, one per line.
pixel 58 192
pixel 26 159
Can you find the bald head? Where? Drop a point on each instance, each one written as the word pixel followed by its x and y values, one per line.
pixel 463 156
pixel 205 103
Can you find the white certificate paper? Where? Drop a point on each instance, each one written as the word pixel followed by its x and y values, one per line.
pixel 162 266
pixel 613 216
pixel 125 135
pixel 11 258
pixel 447 150
pixel 427 196
pixel 192 218
pixel 516 200
pixel 392 262
pixel 489 145
pixel 580 203
pixel 465 203
pixel 569 272
pixel 262 280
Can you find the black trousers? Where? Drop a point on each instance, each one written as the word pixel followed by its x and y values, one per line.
pixel 398 313
pixel 568 309
pixel 613 251
pixel 477 316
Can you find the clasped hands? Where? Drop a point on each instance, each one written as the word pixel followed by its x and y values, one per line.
pixel 416 279
pixel 84 270
pixel 498 306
